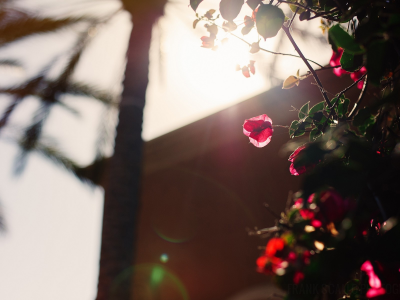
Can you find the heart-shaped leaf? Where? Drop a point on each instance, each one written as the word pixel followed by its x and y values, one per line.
pixel 253 3
pixel 230 8
pixel 195 3
pixel 342 39
pixel 269 19
pixel 290 82
pixel 350 62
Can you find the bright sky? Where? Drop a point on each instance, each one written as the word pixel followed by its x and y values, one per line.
pixel 51 247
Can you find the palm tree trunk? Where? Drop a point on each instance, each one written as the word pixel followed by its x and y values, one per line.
pixel 121 201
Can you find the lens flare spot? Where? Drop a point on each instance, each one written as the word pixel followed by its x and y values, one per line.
pixel 157 275
pixel 164 258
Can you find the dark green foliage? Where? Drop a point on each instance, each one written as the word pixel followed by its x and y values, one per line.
pixel 351 62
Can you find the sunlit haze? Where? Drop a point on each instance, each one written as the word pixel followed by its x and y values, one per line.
pixel 50 249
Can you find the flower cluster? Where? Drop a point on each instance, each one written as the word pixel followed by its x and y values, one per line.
pixel 339 71
pixel 343 224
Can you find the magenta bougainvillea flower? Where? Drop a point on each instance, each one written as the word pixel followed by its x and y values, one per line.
pixel 332 207
pixel 271 259
pixel 259 130
pixel 301 169
pixel 298 276
pixel 207 41
pixel 335 61
pixel 357 75
pixel 374 281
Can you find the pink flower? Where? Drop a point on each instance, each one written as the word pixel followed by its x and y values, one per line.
pixel 301 169
pixel 335 61
pixel 251 67
pixel 374 281
pixel 245 71
pixel 248 21
pixel 357 75
pixel 259 130
pixel 298 276
pixel 332 207
pixel 207 41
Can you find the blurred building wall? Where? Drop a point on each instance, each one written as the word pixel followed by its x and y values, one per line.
pixel 204 186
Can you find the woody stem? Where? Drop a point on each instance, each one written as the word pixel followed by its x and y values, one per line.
pixel 323 92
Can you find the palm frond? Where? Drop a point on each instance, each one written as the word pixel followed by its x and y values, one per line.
pixel 91 174
pixel 9 63
pixel 82 89
pixel 25 26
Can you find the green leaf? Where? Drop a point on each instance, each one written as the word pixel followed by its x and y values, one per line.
pixel 363 117
pixel 316 108
pixel 355 295
pixel 342 39
pixel 319 118
pixel 314 134
pixel 351 62
pixel 332 43
pixel 195 3
pixel 305 15
pixel 269 19
pixel 304 111
pixel 253 3
pixel 246 30
pixel 350 286
pixel 342 107
pixel 293 127
pixel 299 133
pixel 230 8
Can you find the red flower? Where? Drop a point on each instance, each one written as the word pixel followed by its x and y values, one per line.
pixel 248 21
pixel 298 276
pixel 332 206
pixel 245 71
pixel 274 247
pixel 301 169
pixel 357 75
pixel 208 41
pixel 335 61
pixel 259 130
pixel 251 67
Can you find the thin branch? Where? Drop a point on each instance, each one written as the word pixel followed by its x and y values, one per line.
pixel 272 52
pixel 360 98
pixel 323 15
pixel 328 102
pixel 353 84
pixel 294 15
pixel 317 13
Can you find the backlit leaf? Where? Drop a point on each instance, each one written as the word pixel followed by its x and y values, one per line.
pixel 293 127
pixel 253 3
pixel 230 8
pixel 317 107
pixel 342 39
pixel 195 3
pixel 304 111
pixel 269 19
pixel 314 134
pixel 290 82
pixel 350 62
